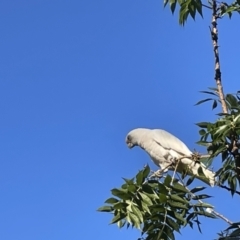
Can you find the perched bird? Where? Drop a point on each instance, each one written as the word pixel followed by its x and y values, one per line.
pixel 164 149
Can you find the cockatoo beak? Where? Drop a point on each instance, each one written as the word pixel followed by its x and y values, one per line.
pixel 129 144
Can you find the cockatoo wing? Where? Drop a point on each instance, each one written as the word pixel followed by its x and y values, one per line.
pixel 170 142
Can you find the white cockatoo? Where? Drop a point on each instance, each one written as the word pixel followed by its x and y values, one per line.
pixel 164 149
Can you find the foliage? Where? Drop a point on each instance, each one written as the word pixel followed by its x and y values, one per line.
pixel 156 208
pixel 192 7
pixel 222 137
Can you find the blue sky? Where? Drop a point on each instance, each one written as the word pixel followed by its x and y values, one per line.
pixel 75 77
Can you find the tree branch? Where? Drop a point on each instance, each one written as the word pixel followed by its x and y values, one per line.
pixel 210 210
pixel 229 189
pixel 214 34
pixel 206 6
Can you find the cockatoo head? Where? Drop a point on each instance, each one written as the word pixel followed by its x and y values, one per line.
pixel 133 137
pixel 130 140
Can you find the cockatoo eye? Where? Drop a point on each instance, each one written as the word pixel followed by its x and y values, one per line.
pixel 129 138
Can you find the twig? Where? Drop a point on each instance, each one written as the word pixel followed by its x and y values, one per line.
pixel 211 210
pixel 229 189
pixel 221 216
pixel 164 222
pixel 160 171
pixel 206 6
pixel 174 172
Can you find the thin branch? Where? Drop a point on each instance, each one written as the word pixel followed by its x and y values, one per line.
pixel 206 6
pixel 229 189
pixel 160 171
pixel 161 231
pixel 220 216
pixel 174 172
pixel 209 209
pixel 214 34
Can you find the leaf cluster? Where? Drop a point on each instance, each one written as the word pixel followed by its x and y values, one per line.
pixel 157 208
pixel 229 8
pixel 222 136
pixel 192 7
pixel 187 7
pixel 231 233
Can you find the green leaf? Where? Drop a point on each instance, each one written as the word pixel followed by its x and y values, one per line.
pixel 203 143
pixel 183 13
pixel 111 200
pixel 173 224
pixel 176 198
pixel 201 196
pixel 203 124
pixel 146 199
pixel 169 232
pixel 129 181
pixel 180 188
pixel 149 191
pixel 134 220
pixel 158 208
pixel 132 188
pixel 233 185
pixel 167 180
pixel 202 132
pixel 192 9
pixel 118 217
pixel 235 233
pixel 214 104
pixel 121 193
pixel 205 100
pixel 137 212
pixel 162 189
pixel 232 100
pixel 146 171
pixel 198 224
pixel 105 209
pixel 190 216
pixel 140 178
pixel 163 198
pixel 121 223
pixel 165 2
pixel 177 205
pixel 145 207
pixel 120 205
pixel 197 189
pixel 190 180
pixel 179 217
pixel 173 5
pixel 234 225
pixel 207 92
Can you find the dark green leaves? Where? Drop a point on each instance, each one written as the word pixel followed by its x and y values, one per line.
pixel 105 209
pixel 121 193
pixel 186 8
pixel 222 137
pixel 232 232
pixel 149 204
pixel 229 9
